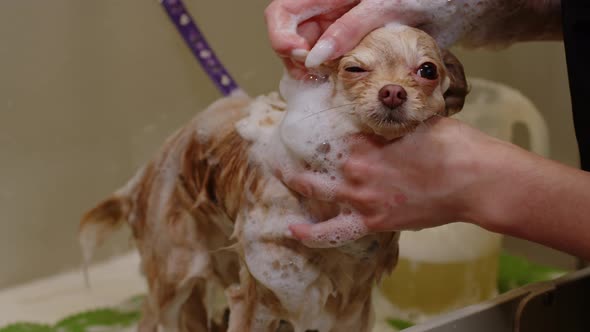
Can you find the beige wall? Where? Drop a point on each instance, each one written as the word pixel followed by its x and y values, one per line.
pixel 88 89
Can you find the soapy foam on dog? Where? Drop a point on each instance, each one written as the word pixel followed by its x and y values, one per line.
pixel 291 277
pixel 350 227
pixel 314 130
pixel 292 281
pixel 309 135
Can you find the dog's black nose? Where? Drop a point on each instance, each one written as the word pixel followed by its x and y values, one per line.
pixel 392 95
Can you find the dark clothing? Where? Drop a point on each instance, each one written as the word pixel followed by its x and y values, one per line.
pixel 576 37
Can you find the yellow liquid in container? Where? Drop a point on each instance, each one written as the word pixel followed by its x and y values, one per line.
pixel 442 269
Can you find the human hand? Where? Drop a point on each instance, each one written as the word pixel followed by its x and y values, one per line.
pixel 313 31
pixel 330 28
pixel 424 179
pixel 295 26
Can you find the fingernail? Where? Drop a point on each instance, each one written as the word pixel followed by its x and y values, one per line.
pixel 299 54
pixel 319 53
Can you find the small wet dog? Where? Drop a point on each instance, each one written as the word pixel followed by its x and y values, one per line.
pixel 210 219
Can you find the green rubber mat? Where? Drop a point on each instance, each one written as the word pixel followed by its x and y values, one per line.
pixel 115 319
pixel 514 272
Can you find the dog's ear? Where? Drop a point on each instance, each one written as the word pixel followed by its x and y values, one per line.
pixel 458 88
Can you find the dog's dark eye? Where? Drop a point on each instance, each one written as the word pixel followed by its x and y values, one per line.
pixel 428 71
pixel 355 69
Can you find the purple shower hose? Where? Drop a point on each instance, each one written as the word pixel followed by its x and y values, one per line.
pixel 195 40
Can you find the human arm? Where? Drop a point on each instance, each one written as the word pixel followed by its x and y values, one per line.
pixel 447 171
pixel 330 28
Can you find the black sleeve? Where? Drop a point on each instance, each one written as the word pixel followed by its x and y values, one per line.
pixel 576 37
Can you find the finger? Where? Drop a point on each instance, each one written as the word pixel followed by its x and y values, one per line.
pixel 355 171
pixel 285 40
pixel 344 34
pixel 283 16
pixel 310 30
pixel 335 232
pixel 311 185
pixel 321 23
pixel 282 28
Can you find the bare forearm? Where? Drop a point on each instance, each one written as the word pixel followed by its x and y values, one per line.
pixel 507 22
pixel 529 197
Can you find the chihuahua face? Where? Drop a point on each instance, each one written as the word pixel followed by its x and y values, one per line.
pixel 397 79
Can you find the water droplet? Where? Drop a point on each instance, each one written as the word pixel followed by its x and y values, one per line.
pixel 315 78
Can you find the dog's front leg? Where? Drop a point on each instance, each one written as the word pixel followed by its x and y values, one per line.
pixel 247 313
pixel 286 279
pixel 175 274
